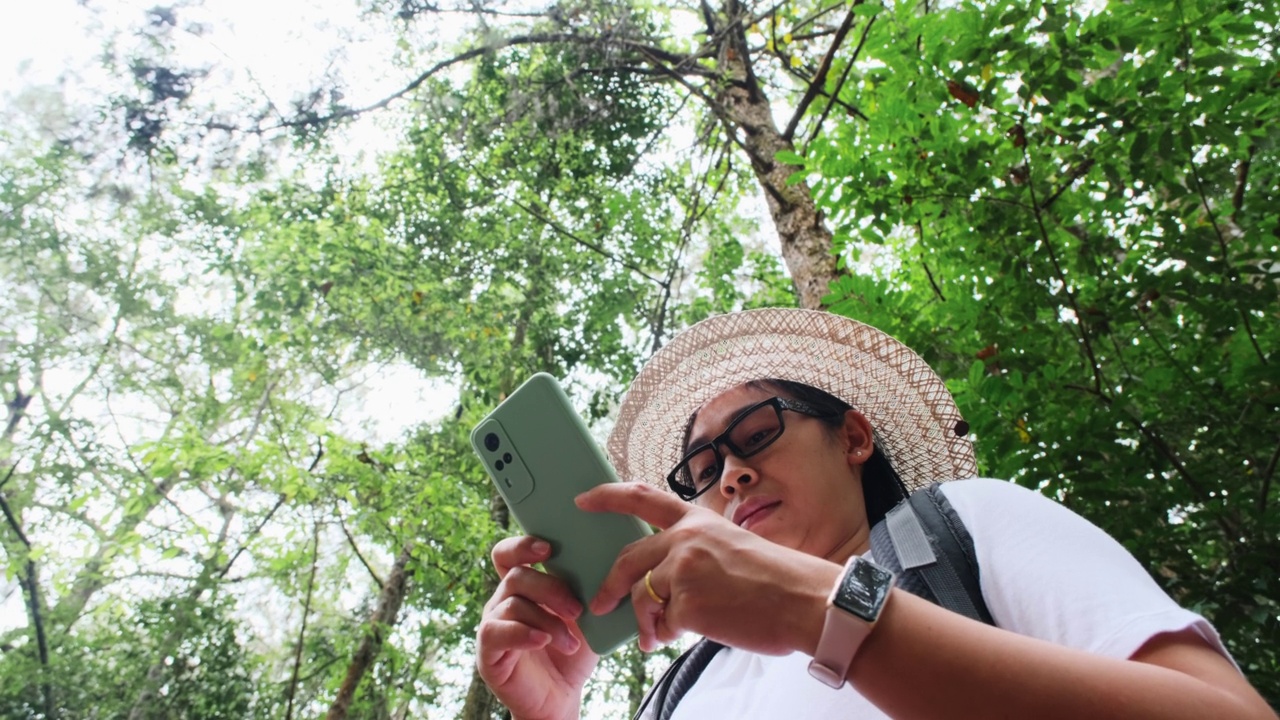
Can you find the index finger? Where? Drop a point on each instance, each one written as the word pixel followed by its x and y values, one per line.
pixel 521 550
pixel 658 508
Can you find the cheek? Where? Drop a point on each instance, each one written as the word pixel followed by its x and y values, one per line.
pixel 713 501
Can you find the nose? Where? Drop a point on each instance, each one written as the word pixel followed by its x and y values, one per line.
pixel 735 475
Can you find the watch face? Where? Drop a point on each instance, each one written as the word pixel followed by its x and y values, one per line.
pixel 863 589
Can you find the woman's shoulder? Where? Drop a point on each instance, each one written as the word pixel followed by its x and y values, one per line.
pixel 1048 572
pixel 980 492
pixel 1005 511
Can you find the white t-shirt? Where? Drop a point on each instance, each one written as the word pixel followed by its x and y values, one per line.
pixel 1046 573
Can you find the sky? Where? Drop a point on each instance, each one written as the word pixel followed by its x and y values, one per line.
pixel 278 41
pixel 272 47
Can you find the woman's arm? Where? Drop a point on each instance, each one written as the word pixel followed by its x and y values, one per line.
pixel 922 661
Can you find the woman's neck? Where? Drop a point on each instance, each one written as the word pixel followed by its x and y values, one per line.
pixel 857 542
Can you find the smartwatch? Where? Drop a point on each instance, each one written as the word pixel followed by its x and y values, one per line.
pixel 852 610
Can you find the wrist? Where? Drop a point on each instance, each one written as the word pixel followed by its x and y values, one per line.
pixel 574 713
pixel 811 610
pixel 853 607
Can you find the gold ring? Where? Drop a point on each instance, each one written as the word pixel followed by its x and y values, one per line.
pixel 648 585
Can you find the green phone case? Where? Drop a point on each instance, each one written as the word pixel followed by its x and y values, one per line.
pixel 541 456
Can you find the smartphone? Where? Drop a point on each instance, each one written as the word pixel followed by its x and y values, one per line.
pixel 538 452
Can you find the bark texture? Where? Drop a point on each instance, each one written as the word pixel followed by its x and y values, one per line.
pixel 745 110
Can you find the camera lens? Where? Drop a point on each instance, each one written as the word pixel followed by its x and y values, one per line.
pixel 491 442
pixel 506 457
pixel 499 465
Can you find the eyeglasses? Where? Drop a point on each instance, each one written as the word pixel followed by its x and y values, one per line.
pixel 758 427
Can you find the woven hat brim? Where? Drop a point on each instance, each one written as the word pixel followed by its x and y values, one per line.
pixel 914 416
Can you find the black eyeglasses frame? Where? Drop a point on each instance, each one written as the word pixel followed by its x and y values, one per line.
pixel 779 404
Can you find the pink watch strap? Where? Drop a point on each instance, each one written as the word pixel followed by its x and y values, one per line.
pixel 842 635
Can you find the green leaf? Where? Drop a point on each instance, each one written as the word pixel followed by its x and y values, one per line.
pixel 788 157
pixel 867 9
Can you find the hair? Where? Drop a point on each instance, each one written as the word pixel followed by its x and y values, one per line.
pixel 882 488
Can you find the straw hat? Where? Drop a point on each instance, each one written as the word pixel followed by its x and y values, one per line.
pixel 914 417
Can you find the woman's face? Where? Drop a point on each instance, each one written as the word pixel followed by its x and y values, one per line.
pixel 804 491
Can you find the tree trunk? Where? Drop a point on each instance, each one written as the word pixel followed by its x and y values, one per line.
pixel 637 679
pixel 480 703
pixel 807 244
pixel 383 617
pixel 29 582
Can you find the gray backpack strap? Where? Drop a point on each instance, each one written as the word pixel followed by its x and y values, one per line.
pixel 924 541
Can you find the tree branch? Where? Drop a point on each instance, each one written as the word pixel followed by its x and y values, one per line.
pixel 981 198
pixel 1229 528
pixel 1094 367
pixel 279 503
pixel 106 346
pixel 302 632
pixel 812 19
pixel 30 583
pixel 834 97
pixel 561 230
pixel 182 613
pixel 1267 475
pixel 90 578
pixel 820 78
pixel 686 63
pixel 1242 181
pixel 735 34
pixel 384 617
pixel 13 522
pixel 352 541
pixel 1073 174
pixel 928 273
pixel 1228 272
pixel 17 408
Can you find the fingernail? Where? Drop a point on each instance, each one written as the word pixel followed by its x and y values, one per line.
pixel 568 643
pixel 574 610
pixel 542 547
pixel 540 637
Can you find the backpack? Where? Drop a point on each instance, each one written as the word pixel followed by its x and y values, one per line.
pixel 922 540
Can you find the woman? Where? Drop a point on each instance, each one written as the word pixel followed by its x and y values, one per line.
pixel 765 445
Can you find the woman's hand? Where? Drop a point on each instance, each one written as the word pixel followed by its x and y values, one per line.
pixel 528 646
pixel 717 579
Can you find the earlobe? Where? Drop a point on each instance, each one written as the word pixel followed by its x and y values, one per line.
pixel 859 442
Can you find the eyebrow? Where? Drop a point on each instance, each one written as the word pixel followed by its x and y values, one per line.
pixel 703 439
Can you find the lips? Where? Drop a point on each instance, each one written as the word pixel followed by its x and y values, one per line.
pixel 753 509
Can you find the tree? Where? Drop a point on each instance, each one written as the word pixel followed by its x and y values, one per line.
pixel 87 327
pixel 425 263
pixel 1086 203
pixel 726 81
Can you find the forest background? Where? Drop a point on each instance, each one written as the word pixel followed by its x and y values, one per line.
pixel 209 291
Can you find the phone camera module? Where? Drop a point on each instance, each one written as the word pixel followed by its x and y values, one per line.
pixel 491 442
